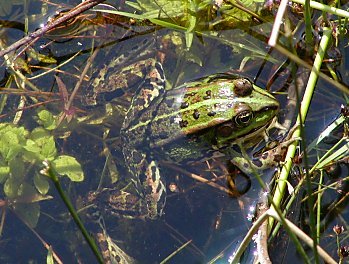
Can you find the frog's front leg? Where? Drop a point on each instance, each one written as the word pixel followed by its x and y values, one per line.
pixel 269 158
pixel 111 252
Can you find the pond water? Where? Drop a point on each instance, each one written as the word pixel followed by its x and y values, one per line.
pixel 201 207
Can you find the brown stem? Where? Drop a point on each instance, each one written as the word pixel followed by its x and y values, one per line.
pixel 69 15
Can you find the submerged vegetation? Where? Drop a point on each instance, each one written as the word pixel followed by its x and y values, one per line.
pixel 22 154
pixel 58 108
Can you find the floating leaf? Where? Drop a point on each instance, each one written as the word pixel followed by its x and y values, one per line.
pixel 68 166
pixel 21 132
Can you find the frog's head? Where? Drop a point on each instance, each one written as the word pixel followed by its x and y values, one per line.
pixel 234 110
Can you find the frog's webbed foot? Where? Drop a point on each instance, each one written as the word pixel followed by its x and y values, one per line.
pixel 154 190
pixel 274 125
pixel 111 252
pixel 270 156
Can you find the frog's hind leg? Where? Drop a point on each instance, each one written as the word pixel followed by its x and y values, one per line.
pixel 148 182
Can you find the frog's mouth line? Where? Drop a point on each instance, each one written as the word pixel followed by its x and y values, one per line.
pixel 267 108
pixel 252 133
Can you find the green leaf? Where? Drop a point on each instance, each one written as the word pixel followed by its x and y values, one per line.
pixel 9 145
pixel 12 139
pixel 41 184
pixel 11 187
pixel 17 169
pixel 40 57
pixel 4 172
pixel 189 38
pixel 46 119
pixel 28 212
pixel 21 132
pixel 28 194
pixel 40 145
pixel 336 155
pixel 68 166
pixel 49 258
pixel 31 146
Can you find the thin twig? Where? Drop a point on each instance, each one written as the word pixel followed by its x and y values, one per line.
pixel 69 15
pixel 176 252
pixel 203 180
pixel 277 23
pixel 46 245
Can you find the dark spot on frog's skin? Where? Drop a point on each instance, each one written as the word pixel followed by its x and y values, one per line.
pixel 144 72
pixel 184 105
pixel 143 178
pixel 246 165
pixel 211 113
pixel 196 114
pixel 265 155
pixel 183 123
pixel 189 94
pixel 208 95
pixel 242 87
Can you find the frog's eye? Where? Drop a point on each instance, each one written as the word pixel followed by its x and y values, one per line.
pixel 244 118
pixel 244 115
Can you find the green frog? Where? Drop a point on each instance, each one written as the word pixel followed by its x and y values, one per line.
pixel 189 122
